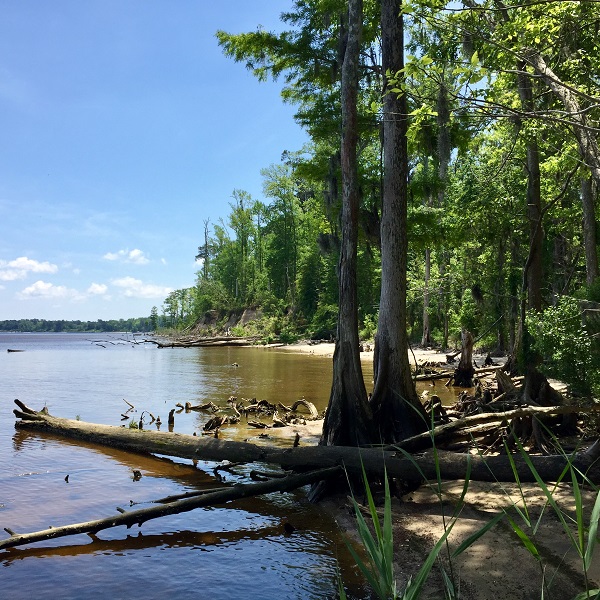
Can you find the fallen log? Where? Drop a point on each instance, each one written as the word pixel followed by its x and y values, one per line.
pixel 443 432
pixel 314 413
pixel 451 465
pixel 140 516
pixel 207 342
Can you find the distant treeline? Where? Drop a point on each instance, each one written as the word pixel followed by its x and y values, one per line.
pixel 142 324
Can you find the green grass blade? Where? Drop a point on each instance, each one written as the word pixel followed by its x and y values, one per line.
pixel 524 514
pixel 341 590
pixel 592 534
pixel 578 512
pixel 475 536
pixel 542 484
pixel 465 489
pixel 367 573
pixel 588 595
pixel 413 589
pixel 371 504
pixel 525 539
pixel 388 533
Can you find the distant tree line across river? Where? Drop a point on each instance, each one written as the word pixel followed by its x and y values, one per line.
pixel 142 324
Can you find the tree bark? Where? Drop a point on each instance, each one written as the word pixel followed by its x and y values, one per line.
pixel 463 376
pixel 426 337
pixel 534 200
pixel 592 268
pixel 348 417
pixel 396 407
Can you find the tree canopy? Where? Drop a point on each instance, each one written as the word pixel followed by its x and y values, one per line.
pixel 501 115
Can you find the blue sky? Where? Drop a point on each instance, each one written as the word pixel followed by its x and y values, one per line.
pixel 123 128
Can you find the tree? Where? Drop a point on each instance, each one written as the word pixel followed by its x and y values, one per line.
pixel 154 318
pixel 348 417
pixel 397 410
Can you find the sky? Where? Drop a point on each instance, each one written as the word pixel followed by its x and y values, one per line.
pixel 123 127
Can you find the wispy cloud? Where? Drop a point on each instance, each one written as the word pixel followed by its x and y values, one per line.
pixel 136 288
pixel 135 256
pixel 20 267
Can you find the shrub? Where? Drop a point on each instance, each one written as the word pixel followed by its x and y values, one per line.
pixel 563 343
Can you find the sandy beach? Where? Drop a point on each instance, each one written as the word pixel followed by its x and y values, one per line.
pixel 497 566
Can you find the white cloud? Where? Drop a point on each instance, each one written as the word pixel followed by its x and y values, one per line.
pixel 135 256
pixel 136 288
pixel 20 267
pixel 97 289
pixel 43 289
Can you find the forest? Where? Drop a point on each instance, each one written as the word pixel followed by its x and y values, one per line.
pixel 499 107
pixel 135 325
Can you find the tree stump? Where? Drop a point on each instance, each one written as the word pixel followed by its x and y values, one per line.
pixel 463 375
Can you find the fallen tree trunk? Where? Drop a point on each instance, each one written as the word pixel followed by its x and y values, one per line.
pixel 206 342
pixel 446 431
pixel 139 516
pixel 303 458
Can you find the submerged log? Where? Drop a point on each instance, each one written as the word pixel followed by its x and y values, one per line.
pixel 140 516
pixel 303 458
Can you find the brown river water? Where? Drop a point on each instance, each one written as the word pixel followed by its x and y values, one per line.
pixel 240 550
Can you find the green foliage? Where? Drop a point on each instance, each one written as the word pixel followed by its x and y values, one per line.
pixel 582 537
pixel 378 545
pixel 565 346
pixel 134 325
pixel 324 322
pixel 369 328
pixel 469 314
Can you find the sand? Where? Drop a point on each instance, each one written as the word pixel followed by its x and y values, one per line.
pixel 497 566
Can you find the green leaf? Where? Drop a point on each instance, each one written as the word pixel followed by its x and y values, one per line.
pixel 588 595
pixel 592 534
pixel 529 545
pixel 475 536
pixel 413 588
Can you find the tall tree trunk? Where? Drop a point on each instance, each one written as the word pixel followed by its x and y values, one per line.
pixel 531 288
pixel 426 338
pixel 499 303
pixel 534 201
pixel 589 230
pixel 588 151
pixel 396 407
pixel 348 418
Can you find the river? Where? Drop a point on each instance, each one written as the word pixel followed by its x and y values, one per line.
pixel 236 551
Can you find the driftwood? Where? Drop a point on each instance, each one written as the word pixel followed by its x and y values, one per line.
pixel 446 431
pixel 139 516
pixel 207 341
pixel 451 465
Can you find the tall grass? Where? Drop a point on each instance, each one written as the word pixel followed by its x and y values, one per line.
pixel 378 543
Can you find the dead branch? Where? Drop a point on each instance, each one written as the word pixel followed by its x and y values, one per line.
pixel 140 516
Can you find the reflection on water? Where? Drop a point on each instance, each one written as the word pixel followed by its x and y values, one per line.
pixel 231 551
